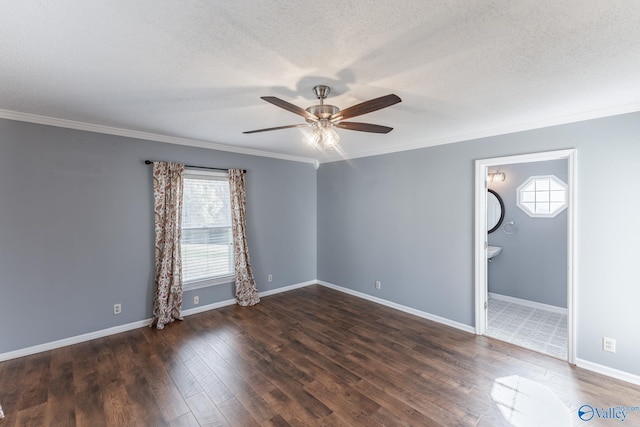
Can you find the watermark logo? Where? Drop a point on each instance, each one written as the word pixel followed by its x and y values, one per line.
pixel 620 413
pixel 585 413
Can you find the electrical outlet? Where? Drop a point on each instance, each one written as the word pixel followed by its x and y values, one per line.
pixel 196 300
pixel 270 278
pixel 378 285
pixel 609 344
pixel 117 308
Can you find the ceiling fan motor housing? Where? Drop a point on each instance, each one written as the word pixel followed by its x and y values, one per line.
pixel 322 111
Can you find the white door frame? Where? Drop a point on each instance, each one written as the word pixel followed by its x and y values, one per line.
pixel 480 241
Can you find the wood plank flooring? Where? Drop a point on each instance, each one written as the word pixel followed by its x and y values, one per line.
pixel 308 357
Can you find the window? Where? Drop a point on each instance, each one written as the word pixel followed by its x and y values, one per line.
pixel 207 242
pixel 542 196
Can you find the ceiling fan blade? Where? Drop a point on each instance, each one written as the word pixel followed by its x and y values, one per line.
pixel 364 127
pixel 367 107
pixel 301 125
pixel 290 107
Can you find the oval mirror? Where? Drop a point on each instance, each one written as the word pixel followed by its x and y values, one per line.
pixel 495 211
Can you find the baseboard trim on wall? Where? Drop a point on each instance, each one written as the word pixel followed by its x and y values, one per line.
pixel 207 307
pixel 134 325
pixel 74 340
pixel 584 364
pixel 528 303
pixel 401 307
pixel 288 288
pixel 607 371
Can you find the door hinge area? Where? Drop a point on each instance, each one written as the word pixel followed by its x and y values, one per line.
pixel 486 305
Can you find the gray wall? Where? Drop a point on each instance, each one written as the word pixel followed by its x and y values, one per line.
pixel 76 228
pixel 407 219
pixel 400 219
pixel 533 261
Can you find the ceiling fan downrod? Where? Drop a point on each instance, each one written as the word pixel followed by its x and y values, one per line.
pixel 322 111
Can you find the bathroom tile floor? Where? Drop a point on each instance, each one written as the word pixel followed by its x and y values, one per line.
pixel 533 328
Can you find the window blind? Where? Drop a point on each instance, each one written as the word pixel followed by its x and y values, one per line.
pixel 207 242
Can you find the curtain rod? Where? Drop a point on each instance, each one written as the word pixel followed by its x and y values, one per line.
pixel 149 162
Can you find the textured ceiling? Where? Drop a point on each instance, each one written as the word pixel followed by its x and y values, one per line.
pixel 194 70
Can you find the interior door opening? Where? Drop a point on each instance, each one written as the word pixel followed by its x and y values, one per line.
pixel 531 301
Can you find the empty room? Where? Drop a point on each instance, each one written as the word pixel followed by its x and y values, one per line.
pixel 289 213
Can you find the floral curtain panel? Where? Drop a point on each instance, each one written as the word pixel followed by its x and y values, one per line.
pixel 246 291
pixel 168 180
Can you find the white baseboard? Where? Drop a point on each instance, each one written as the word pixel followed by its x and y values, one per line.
pixel 74 340
pixel 584 364
pixel 202 309
pixel 130 326
pixel 288 288
pixel 401 307
pixel 610 372
pixel 528 303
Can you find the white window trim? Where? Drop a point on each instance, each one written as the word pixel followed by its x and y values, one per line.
pixel 197 284
pixel 526 210
pixel 215 281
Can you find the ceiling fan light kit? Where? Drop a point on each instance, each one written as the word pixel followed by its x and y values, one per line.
pixel 323 118
pixel 323 136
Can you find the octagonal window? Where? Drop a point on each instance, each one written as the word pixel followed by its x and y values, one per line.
pixel 542 196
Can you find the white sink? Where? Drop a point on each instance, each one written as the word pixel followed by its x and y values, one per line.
pixel 493 251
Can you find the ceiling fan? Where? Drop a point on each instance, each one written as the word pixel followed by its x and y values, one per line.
pixel 323 117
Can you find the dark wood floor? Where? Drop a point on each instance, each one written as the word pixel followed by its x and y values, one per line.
pixel 312 356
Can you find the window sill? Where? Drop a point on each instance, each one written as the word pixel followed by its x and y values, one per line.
pixel 197 284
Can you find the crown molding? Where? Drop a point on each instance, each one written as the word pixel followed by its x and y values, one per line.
pixel 89 127
pixel 485 133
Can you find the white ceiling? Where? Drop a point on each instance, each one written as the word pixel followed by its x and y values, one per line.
pixel 192 72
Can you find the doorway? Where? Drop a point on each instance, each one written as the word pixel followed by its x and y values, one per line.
pixel 482 301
